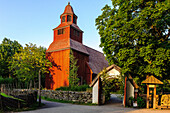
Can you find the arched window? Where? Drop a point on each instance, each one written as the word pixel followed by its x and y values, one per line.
pixel 63 19
pixel 68 18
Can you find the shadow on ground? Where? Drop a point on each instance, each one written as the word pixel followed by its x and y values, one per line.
pixel 115 100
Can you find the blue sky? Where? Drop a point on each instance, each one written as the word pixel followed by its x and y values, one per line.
pixel 33 20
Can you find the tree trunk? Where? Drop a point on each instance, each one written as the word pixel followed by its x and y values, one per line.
pixel 39 91
pixel 34 84
pixel 30 84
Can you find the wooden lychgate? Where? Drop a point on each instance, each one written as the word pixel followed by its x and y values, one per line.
pixel 151 82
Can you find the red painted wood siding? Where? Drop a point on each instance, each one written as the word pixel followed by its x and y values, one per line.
pixel 59 76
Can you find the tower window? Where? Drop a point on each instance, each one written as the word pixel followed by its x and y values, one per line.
pixel 74 19
pixel 68 18
pixel 76 33
pixel 61 31
pixel 63 19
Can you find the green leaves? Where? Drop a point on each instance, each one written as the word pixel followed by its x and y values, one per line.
pixel 28 62
pixel 73 68
pixel 7 49
pixel 135 36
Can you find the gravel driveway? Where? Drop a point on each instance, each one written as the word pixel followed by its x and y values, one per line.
pixel 113 106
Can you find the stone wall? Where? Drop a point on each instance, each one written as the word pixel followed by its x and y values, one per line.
pixel 16 92
pixel 85 97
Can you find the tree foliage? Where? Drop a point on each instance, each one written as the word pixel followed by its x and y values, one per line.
pixel 135 36
pixel 26 64
pixel 110 84
pixel 73 68
pixel 7 49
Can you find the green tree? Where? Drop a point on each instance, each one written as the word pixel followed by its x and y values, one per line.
pixel 110 84
pixel 73 68
pixel 27 64
pixel 7 49
pixel 135 36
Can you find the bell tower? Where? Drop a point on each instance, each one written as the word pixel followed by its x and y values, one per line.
pixel 66 36
pixel 68 15
pixel 68 28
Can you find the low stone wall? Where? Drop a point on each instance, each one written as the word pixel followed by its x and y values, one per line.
pixel 85 97
pixel 18 91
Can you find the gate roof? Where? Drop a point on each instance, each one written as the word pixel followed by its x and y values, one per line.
pixel 152 80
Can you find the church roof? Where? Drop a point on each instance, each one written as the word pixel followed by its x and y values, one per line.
pixel 152 80
pixel 97 60
pixel 59 45
pixel 68 9
pixel 66 24
pixel 66 44
pixel 78 46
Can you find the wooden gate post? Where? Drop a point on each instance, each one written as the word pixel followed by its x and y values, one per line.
pixel 154 97
pixel 125 92
pixel 147 99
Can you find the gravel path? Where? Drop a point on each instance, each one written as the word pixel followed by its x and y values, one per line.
pixel 113 106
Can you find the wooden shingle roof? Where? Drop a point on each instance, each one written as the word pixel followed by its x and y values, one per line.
pixel 152 80
pixel 97 61
pixel 133 82
pixel 78 47
pixel 67 44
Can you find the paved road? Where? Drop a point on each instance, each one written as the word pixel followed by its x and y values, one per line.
pixel 114 106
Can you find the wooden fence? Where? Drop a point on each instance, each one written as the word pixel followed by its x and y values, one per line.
pixel 19 101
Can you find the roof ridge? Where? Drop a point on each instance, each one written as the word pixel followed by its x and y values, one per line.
pixel 94 50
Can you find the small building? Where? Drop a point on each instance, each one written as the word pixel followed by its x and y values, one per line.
pixel 68 36
pixel 113 72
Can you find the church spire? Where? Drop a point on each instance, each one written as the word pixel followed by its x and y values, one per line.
pixel 68 15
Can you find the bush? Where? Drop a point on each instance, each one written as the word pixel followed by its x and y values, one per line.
pixel 6 80
pixel 166 89
pixel 141 103
pixel 74 88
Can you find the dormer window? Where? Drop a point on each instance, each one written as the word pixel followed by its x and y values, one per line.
pixel 63 19
pixel 68 18
pixel 61 31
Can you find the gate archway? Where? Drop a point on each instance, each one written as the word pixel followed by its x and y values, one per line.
pixel 113 72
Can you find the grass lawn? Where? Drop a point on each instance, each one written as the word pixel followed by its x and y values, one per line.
pixel 4 95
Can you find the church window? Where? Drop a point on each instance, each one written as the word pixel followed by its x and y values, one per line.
pixel 76 33
pixel 68 18
pixel 63 19
pixel 74 19
pixel 61 31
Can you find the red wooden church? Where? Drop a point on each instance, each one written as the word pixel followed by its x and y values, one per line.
pixel 68 36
